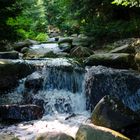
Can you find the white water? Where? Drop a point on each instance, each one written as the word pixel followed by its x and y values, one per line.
pixel 45 48
pixel 65 111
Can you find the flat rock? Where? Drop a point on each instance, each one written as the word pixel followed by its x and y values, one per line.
pixel 19 113
pixel 9 55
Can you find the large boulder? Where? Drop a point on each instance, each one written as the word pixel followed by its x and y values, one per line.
pixel 92 132
pixel 19 113
pixel 81 52
pixel 9 55
pixel 11 72
pixel 110 112
pixel 124 84
pixel 115 60
pixel 26 43
pixel 54 136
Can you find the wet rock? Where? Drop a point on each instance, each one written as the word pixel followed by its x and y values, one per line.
pixel 11 72
pixel 9 55
pixel 8 137
pixel 81 52
pixel 124 84
pixel 114 60
pixel 19 45
pixel 19 113
pixel 54 136
pixel 110 112
pixel 34 82
pixel 92 132
pixel 123 49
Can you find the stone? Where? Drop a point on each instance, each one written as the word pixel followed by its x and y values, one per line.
pixel 34 82
pixel 114 60
pixel 124 49
pixel 81 52
pixel 9 55
pixel 110 112
pixel 92 132
pixel 123 84
pixel 65 40
pixel 54 136
pixel 11 72
pixel 19 113
pixel 26 43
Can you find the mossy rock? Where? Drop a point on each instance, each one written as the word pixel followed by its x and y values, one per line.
pixel 115 60
pixel 54 136
pixel 92 132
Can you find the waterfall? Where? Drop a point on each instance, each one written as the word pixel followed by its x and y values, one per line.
pixel 57 85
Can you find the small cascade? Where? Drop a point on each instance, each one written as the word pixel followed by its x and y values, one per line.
pixel 58 86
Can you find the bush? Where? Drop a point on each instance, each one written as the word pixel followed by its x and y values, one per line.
pixel 42 37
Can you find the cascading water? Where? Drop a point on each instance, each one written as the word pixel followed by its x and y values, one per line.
pixel 61 95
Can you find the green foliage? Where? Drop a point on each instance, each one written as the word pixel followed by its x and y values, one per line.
pixel 31 23
pixel 8 8
pixel 42 37
pixel 102 19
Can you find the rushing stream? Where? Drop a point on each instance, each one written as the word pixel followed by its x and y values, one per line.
pixel 61 94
